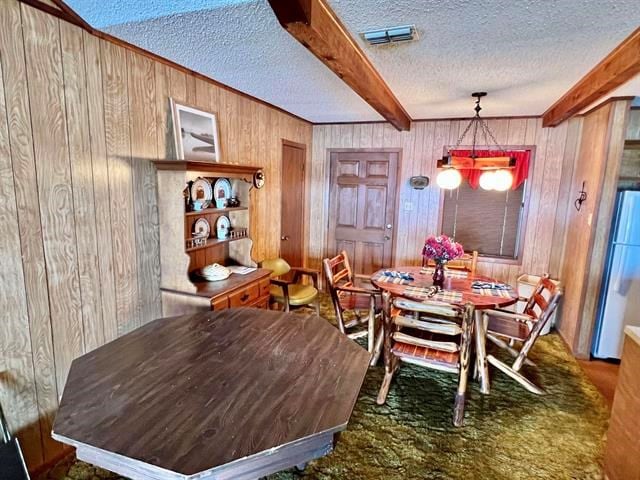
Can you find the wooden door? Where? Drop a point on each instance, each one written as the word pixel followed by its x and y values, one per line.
pixel 292 208
pixel 362 207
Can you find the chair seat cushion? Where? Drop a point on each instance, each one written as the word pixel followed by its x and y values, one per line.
pixel 508 327
pixel 352 301
pixel 298 294
pixel 432 356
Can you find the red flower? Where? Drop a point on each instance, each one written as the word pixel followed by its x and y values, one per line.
pixel 441 249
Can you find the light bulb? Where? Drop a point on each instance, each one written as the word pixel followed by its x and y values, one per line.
pixel 449 178
pixel 487 180
pixel 502 180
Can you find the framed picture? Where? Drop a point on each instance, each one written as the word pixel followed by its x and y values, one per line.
pixel 195 133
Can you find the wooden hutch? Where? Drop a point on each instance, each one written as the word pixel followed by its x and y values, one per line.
pixel 182 291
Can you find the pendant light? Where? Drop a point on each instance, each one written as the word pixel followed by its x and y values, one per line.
pixel 502 180
pixel 449 179
pixel 487 180
pixel 496 175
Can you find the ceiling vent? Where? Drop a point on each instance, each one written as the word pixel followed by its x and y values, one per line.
pixel 404 33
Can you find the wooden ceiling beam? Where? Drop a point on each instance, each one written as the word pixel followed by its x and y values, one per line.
pixel 620 66
pixel 316 26
pixel 75 18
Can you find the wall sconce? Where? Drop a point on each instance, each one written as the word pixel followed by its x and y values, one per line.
pixel 582 197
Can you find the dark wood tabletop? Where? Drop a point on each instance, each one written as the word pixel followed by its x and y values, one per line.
pixel 187 394
pixel 462 285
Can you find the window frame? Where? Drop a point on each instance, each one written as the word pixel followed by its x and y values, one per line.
pixel 524 212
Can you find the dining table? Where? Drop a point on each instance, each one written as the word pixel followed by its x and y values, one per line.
pixel 237 394
pixel 459 288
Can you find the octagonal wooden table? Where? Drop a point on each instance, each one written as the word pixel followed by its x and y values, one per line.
pixel 215 395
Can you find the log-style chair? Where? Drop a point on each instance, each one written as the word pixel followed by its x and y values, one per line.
pixel 435 335
pixel 506 328
pixel 292 293
pixel 468 262
pixel 346 297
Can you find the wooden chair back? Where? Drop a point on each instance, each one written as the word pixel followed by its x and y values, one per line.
pixel 543 303
pixel 337 271
pixel 525 328
pixel 435 335
pixel 450 328
pixel 346 297
pixel 468 262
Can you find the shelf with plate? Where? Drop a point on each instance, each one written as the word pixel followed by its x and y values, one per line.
pixel 237 218
pixel 213 210
pixel 180 259
pixel 213 242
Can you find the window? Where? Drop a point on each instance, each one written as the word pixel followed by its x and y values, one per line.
pixel 487 221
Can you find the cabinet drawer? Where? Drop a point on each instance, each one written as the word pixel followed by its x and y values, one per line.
pixel 220 303
pixel 262 302
pixel 245 296
pixel 264 286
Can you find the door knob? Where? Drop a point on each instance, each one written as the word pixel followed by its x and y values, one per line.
pixel 387 237
pixel 284 237
pixel 389 226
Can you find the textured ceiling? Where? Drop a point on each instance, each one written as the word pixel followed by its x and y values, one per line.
pixel 239 43
pixel 526 54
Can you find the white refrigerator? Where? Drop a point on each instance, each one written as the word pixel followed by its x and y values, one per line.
pixel 620 296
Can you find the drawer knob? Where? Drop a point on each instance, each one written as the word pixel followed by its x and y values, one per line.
pixel 244 297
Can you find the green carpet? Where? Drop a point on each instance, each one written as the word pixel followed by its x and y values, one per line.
pixel 510 434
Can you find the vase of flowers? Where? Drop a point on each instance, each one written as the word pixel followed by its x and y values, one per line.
pixel 441 249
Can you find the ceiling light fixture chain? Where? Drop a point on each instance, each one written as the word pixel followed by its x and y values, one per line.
pixel 496 174
pixel 464 134
pixel 475 123
pixel 493 139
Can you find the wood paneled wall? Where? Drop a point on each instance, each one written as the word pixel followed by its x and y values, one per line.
pixel 633 127
pixel 587 234
pixel 420 148
pixel 80 120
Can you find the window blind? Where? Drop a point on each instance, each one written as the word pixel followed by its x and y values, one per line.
pixel 486 221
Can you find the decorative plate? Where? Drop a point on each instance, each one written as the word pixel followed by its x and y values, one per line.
pixel 221 192
pixel 201 193
pixel 222 227
pixel 201 228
